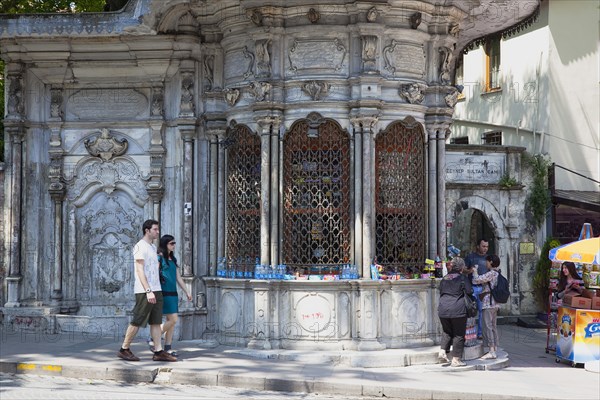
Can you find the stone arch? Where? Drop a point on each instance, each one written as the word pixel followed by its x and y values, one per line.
pixel 501 232
pixel 314 120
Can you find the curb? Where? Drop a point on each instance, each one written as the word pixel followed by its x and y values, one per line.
pixel 128 375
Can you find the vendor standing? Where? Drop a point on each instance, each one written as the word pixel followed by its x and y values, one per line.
pixel 477 260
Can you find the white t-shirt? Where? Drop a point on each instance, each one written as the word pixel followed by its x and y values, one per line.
pixel 147 252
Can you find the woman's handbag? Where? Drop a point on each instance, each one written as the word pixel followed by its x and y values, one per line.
pixel 470 304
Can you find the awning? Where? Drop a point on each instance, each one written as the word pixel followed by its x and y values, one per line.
pixel 577 198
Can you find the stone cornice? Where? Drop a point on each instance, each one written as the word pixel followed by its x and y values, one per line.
pixel 86 24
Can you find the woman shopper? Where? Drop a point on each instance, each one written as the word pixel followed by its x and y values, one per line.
pixel 570 282
pixel 489 314
pixel 170 278
pixel 453 312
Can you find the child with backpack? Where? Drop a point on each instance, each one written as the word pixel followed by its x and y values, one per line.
pixel 489 303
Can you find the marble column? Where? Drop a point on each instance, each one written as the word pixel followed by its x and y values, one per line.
pixel 431 194
pixel 188 134
pixel 265 193
pixel 368 194
pixel 57 193
pixel 214 199
pixel 441 191
pixel 274 228
pixel 358 190
pixel 13 280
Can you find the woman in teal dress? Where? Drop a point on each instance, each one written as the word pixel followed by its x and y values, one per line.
pixel 172 278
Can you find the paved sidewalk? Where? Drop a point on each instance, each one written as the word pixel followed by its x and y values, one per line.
pixel 532 373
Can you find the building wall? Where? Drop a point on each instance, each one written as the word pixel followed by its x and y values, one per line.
pixel 574 93
pixel 549 75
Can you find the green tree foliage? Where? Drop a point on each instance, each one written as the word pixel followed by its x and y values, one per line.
pixel 36 7
pixel 541 278
pixel 539 197
pixel 50 6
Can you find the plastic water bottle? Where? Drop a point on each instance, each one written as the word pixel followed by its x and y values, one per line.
pixel 257 271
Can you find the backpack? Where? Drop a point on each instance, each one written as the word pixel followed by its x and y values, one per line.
pixel 501 292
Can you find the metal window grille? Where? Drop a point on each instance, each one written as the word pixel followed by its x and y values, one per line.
pixel 316 214
pixel 400 199
pixel 243 200
pixel 494 138
pixel 460 140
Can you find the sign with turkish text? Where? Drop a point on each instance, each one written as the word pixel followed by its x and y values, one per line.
pixel 472 168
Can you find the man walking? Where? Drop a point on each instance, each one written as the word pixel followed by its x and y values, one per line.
pixel 148 295
pixel 477 260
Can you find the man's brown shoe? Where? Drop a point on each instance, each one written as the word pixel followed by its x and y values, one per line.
pixel 127 355
pixel 163 356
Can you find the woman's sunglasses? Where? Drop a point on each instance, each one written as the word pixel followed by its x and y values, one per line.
pixel 172 243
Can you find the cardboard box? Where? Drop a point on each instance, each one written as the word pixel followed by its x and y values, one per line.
pixel 589 293
pixel 595 303
pixel 577 302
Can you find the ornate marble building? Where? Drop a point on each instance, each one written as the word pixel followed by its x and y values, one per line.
pixel 299 133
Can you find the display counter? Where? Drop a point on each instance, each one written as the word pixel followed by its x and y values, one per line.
pixel 354 314
pixel 578 335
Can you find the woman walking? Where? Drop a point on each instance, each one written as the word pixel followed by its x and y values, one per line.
pixel 489 307
pixel 170 278
pixel 453 312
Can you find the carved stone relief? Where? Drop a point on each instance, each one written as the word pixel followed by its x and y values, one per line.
pixel 209 67
pixel 107 104
pixel 413 92
pixel 56 102
pixel 248 54
pixel 451 98
pixel 445 64
pixel 111 225
pixel 263 60
pixel 317 90
pixel 157 102
pixel 255 16
pixel 372 14
pixel 313 16
pixel 14 104
pixel 369 52
pixel 260 90
pixel 454 29
pixel 316 55
pixel 415 20
pixel 187 107
pixel 106 146
pixel 404 57
pixel 231 96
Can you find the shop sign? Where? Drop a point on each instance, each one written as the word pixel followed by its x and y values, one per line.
pixel 473 168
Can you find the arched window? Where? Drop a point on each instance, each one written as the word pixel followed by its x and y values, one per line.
pixel 400 197
pixel 316 196
pixel 243 201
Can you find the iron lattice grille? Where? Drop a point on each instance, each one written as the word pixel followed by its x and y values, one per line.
pixel 243 201
pixel 316 217
pixel 399 198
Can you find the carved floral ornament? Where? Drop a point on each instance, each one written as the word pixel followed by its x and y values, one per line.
pixel 413 92
pixel 313 16
pixel 260 90
pixel 317 90
pixel 451 98
pixel 106 146
pixel 372 14
pixel 231 96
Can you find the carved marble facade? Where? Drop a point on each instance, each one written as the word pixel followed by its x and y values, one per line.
pixel 142 132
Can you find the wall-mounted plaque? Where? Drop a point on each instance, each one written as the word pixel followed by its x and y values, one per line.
pixel 470 168
pixel 316 55
pixel 107 103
